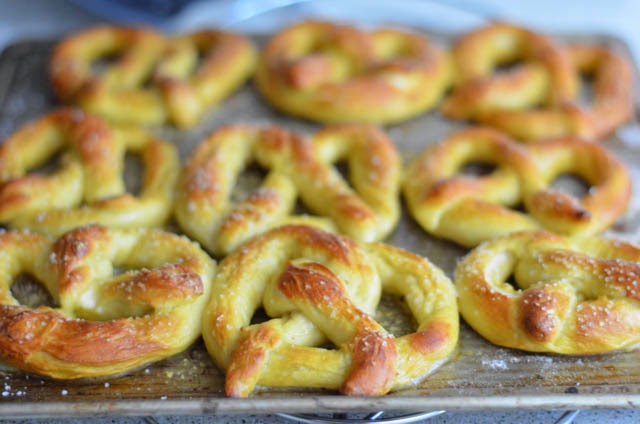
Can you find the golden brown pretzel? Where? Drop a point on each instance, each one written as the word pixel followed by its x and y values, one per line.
pixel 612 103
pixel 336 73
pixel 573 296
pixel 103 324
pixel 470 209
pixel 317 285
pixel 155 79
pixel 88 186
pixel 545 78
pixel 298 168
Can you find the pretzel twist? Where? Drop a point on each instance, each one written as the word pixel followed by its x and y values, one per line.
pixel 154 79
pixel 545 78
pixel 470 209
pixel 87 186
pixel 336 73
pixel 104 324
pixel 317 286
pixel 573 296
pixel 298 168
pixel 611 106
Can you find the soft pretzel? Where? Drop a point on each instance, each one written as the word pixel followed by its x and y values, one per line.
pixel 316 285
pixel 104 324
pixel 612 103
pixel 470 209
pixel 546 78
pixel 298 167
pixel 154 79
pixel 88 186
pixel 573 296
pixel 336 73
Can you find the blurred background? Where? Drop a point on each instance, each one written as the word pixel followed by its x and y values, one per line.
pixel 21 19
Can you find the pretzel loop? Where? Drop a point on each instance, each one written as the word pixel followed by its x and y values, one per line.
pixel 611 106
pixel 88 187
pixel 312 296
pixel 204 208
pixel 470 209
pixel 336 73
pixel 104 324
pixel 298 168
pixel 367 212
pixel 606 199
pixel 153 79
pixel 573 296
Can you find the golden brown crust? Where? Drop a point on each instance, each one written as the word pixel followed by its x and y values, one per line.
pixel 546 76
pixel 574 296
pixel 610 107
pixel 298 167
pixel 336 73
pixel 470 209
pixel 88 186
pixel 104 324
pixel 154 79
pixel 320 286
pixel 538 100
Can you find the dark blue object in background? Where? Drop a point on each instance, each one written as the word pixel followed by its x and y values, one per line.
pixel 152 12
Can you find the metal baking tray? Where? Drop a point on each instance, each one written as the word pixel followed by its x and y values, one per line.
pixel 478 376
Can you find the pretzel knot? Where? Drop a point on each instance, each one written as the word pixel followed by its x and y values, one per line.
pixel 544 78
pixel 298 167
pixel 104 324
pixel 318 286
pixel 611 106
pixel 87 185
pixel 152 80
pixel 573 296
pixel 337 73
pixel 469 209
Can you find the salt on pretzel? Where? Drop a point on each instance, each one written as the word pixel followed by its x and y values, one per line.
pixel 315 286
pixel 336 73
pixel 545 78
pixel 88 186
pixel 103 324
pixel 573 296
pixel 298 167
pixel 611 106
pixel 470 209
pixel 154 79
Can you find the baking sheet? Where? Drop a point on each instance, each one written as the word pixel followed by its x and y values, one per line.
pixel 479 376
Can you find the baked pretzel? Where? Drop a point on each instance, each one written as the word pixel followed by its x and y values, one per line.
pixel 612 103
pixel 470 209
pixel 545 78
pixel 336 73
pixel 103 324
pixel 298 167
pixel 573 296
pixel 316 285
pixel 87 186
pixel 154 79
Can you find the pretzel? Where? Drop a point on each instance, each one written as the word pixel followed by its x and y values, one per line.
pixel 336 73
pixel 612 103
pixel 87 187
pixel 154 79
pixel 546 78
pixel 298 167
pixel 104 324
pixel 316 285
pixel 470 209
pixel 573 296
